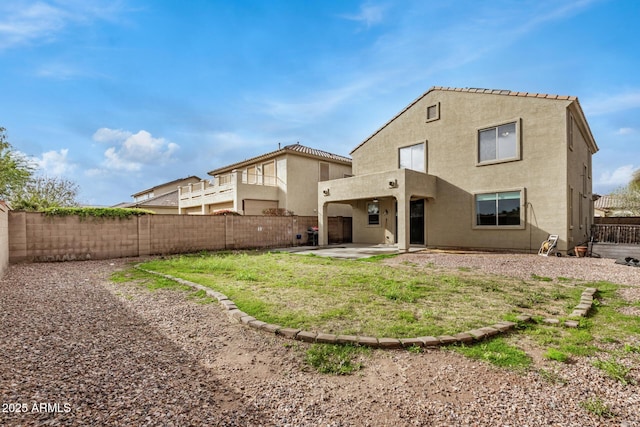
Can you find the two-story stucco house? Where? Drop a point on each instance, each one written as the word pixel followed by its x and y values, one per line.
pixel 472 168
pixel 286 178
pixel 161 199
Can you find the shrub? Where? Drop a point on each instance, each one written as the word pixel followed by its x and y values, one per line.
pixel 97 212
pixel 277 212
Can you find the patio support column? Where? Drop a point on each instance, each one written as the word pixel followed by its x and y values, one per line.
pixel 323 224
pixel 403 222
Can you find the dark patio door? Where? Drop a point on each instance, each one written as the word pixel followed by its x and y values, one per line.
pixel 416 222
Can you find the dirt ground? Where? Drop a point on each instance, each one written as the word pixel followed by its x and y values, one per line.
pixel 119 354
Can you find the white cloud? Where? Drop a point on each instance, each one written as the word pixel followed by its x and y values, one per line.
pixel 613 103
pixel 369 15
pixel 54 163
pixel 619 177
pixel 133 151
pixel 28 21
pixel 111 135
pixel 626 131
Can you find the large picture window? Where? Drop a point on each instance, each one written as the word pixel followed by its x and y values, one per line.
pixel 413 157
pixel 498 209
pixel 498 143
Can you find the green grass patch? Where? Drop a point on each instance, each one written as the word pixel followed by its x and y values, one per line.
pixel 557 355
pixel 597 407
pixel 614 369
pixel 362 298
pixel 373 298
pixel 497 352
pixel 335 359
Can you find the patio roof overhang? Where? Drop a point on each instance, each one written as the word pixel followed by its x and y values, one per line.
pixel 399 183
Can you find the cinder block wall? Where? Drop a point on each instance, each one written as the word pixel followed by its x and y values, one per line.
pixel 170 234
pixel 35 237
pixel 4 238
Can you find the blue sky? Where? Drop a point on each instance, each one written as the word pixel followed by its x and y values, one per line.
pixel 122 95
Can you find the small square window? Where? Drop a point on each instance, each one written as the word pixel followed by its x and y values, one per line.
pixel 433 112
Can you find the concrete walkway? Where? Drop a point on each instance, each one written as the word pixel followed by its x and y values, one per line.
pixel 349 250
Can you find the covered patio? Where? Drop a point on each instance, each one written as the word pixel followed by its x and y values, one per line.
pixel 384 198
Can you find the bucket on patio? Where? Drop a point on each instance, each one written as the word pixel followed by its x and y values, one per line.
pixel 581 251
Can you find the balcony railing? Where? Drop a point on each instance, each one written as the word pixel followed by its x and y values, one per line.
pixel 222 184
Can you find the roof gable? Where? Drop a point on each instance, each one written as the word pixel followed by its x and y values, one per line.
pixel 501 92
pixel 296 149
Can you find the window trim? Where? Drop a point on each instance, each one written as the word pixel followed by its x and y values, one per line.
pixel 517 157
pixel 523 204
pixel 437 116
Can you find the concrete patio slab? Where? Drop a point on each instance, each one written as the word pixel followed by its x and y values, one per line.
pixel 349 250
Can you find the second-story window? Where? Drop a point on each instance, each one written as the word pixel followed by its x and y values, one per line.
pixel 413 157
pixel 252 175
pixel 324 171
pixel 498 143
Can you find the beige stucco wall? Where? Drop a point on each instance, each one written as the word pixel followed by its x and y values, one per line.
pixel 451 150
pixel 302 185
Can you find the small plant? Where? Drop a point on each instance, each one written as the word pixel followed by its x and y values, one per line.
pixel 201 297
pixel 541 278
pixel 614 370
pixel 277 212
pixel 334 359
pixel 628 348
pixel 597 407
pixel 415 349
pixel 497 352
pixel 558 356
pixel 225 212
pixel 551 377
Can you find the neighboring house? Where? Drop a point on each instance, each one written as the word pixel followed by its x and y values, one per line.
pixel 283 179
pixel 472 168
pixel 611 205
pixel 161 199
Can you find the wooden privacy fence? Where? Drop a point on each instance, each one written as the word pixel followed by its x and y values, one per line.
pixel 615 233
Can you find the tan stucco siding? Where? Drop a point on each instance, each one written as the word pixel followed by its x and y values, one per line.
pixel 209 209
pixel 452 156
pixel 302 192
pixel 581 211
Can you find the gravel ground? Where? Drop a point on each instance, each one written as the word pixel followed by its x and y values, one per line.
pixel 87 351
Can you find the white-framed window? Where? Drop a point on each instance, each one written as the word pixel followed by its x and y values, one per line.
pixel 413 157
pixel 498 209
pixel 433 112
pixel 499 143
pixel 373 213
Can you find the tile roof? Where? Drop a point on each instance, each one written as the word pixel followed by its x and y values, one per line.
pixel 169 199
pixel 293 149
pixel 175 181
pixel 503 92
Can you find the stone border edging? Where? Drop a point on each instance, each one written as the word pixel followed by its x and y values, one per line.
pixel 478 334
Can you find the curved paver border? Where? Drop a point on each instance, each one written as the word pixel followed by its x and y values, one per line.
pixel 479 334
